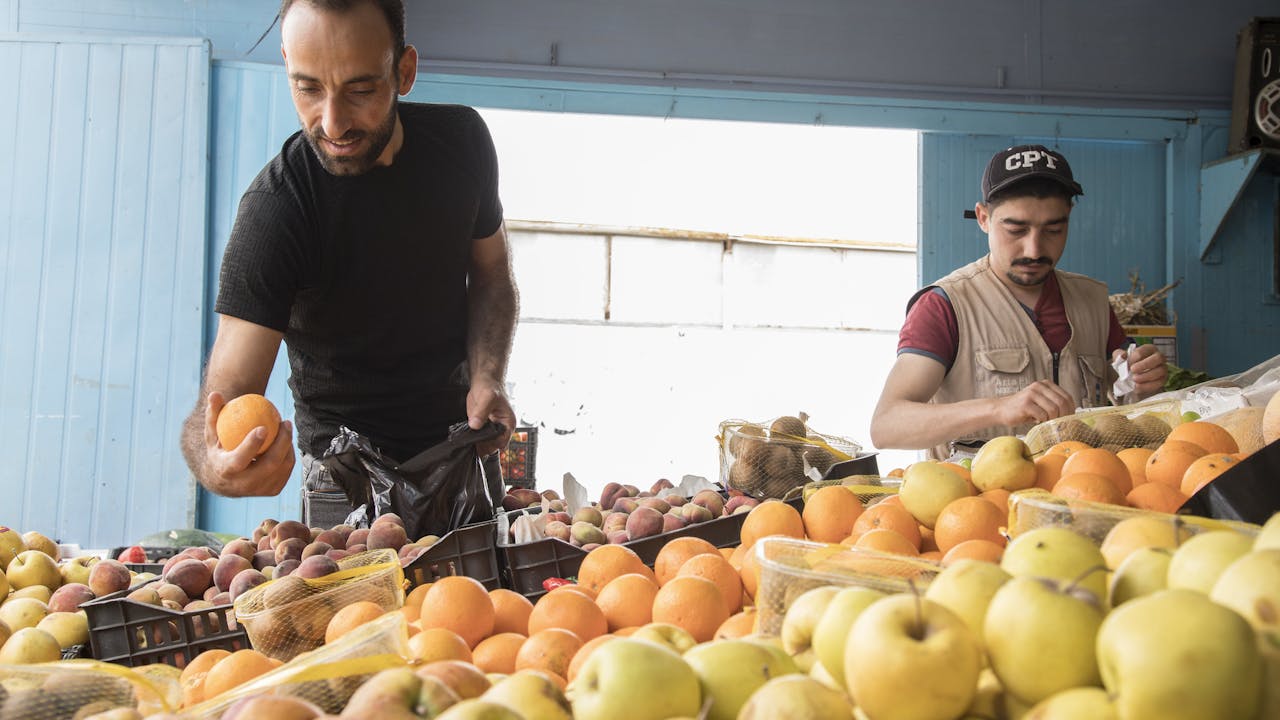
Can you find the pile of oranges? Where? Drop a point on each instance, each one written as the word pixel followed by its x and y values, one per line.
pixel 1191 456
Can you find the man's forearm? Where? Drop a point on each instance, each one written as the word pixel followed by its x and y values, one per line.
pixel 908 425
pixel 492 309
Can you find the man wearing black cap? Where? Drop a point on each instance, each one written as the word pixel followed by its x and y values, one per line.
pixel 1007 341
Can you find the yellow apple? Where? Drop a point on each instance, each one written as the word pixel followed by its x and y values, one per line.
pixel 729 671
pixel 830 636
pixel 531 693
pixel 909 657
pixel 1268 538
pixel 10 545
pixel 1251 587
pixel 1059 554
pixel 68 628
pixel 20 613
pixel 1145 571
pixel 76 570
pixel 1198 562
pixel 966 588
pixel 1141 531
pixel 672 637
pixel 1040 638
pixel 1003 463
pixel 990 698
pixel 5 632
pixel 796 697
pixel 635 679
pixel 35 541
pixel 1177 655
pixel 33 567
pixel 1083 702
pixel 28 646
pixel 38 592
pixel 477 709
pixel 927 487
pixel 801 620
pixel 820 673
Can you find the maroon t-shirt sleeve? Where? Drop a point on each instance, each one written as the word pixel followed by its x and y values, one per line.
pixel 1116 337
pixel 931 329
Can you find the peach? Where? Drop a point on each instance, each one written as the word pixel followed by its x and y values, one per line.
pixel 264 543
pixel 316 548
pixel 108 576
pixel 609 496
pixel 711 500
pixel 169 591
pixel 695 513
pixel 264 558
pixel 389 518
pixel 656 503
pixel 557 529
pixel 625 504
pixel 356 549
pixel 286 568
pixel 359 536
pixel 227 568
pixel 316 566
pixel 213 590
pixel 290 529
pixel 145 594
pixel 556 505
pixel 333 538
pixel 644 522
pixel 588 514
pixel 738 501
pixel 240 547
pixel 660 485
pixel 670 522
pixel 200 552
pixel 561 516
pixel 615 521
pixel 69 597
pixel 315 533
pixel 617 537
pixel 193 576
pixel 290 549
pixel 244 581
pixel 387 535
pixel 675 499
pixel 336 554
pixel 631 490
pixel 222 598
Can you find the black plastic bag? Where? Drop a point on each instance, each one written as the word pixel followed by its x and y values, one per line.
pixel 440 489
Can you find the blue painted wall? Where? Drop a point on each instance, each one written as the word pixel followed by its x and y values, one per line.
pixel 102 268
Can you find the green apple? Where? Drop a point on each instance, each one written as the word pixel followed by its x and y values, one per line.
pixel 531 693
pixel 1145 571
pixel 1177 655
pixel 796 697
pixel 628 678
pixel 1059 554
pixel 672 637
pixel 966 588
pixel 1268 538
pixel 10 545
pixel 830 637
pixel 1074 704
pixel 909 657
pixel 33 567
pixel 29 646
pixel 1251 587
pixel 927 487
pixel 76 569
pixel 1198 562
pixel 800 622
pixel 1004 463
pixel 1040 635
pixel 729 671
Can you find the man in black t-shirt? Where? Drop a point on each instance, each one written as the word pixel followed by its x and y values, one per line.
pixel 374 246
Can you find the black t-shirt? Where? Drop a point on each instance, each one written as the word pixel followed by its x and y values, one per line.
pixel 366 276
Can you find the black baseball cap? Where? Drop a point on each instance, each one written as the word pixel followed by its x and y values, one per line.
pixel 1013 165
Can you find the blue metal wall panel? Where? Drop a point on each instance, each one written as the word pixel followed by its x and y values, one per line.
pixel 104 173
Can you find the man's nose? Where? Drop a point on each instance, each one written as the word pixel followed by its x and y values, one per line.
pixel 335 121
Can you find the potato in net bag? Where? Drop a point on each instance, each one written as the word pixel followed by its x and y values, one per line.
pixel 766 460
pixel 326 676
pixel 1114 428
pixel 80 688
pixel 289 615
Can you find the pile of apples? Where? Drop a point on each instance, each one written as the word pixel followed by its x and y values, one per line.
pixel 625 513
pixel 1155 623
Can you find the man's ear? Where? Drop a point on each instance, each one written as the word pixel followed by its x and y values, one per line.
pixel 408 69
pixel 984 218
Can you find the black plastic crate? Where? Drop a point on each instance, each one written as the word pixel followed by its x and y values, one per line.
pixel 528 564
pixel 132 633
pixel 519 459
pixel 470 550
pixel 155 558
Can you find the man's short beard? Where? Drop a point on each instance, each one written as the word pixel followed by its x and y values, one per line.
pixel 378 139
pixel 1018 280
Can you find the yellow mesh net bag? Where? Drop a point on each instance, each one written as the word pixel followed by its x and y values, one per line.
pixel 1114 428
pixel 82 688
pixel 289 615
pixel 1036 508
pixel 767 460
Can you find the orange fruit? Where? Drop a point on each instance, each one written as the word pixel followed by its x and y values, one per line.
pixel 415 596
pixel 736 557
pixel 497 653
pixel 584 652
pixel 928 543
pixel 1210 436
pixel 625 632
pixel 896 473
pixel 568 611
pixel 192 678
pixel 975 550
pixel 829 513
pixel 771 517
pixel 550 650
pixel 1136 460
pixel 351 617
pixel 719 571
pixel 890 516
pixel 1049 469
pixel 891 499
pixel 242 415
pixel 511 611
pixel 461 604
pixel 1204 470
pixel 692 603
pixel 969 518
pixel 750 572
pixel 958 469
pixel 234 670
pixel 738 625
pixel 886 540
pixel 410 613
pixel 1099 461
pixel 1066 447
pixel 1156 496
pixel 606 563
pixel 998 497
pixel 1089 486
pixel 1170 461
pixel 932 556
pixel 438 644
pixel 587 593
pixel 627 601
pixel 676 552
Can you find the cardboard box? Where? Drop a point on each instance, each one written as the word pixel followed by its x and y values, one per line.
pixel 1164 337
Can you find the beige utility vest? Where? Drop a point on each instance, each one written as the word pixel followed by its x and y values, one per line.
pixel 1001 352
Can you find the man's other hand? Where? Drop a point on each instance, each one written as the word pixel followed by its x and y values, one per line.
pixel 1148 369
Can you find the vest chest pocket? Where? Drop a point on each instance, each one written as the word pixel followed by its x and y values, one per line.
pixel 1001 371
pixel 1095 374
